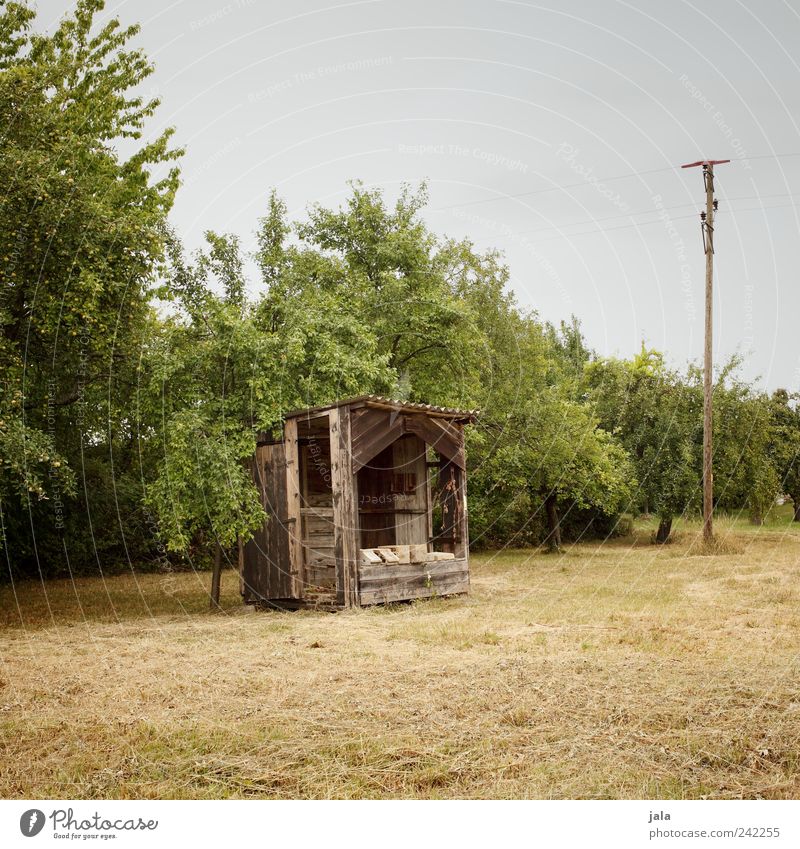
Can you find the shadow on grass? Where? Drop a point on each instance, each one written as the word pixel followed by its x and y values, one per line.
pixel 31 605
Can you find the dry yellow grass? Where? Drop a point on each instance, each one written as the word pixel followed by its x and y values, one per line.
pixel 611 671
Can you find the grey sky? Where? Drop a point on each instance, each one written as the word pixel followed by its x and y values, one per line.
pixel 487 100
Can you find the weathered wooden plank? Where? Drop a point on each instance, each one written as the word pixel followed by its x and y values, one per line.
pixel 388 596
pixel 293 518
pixel 411 581
pixel 316 527
pixel 410 460
pixel 417 552
pixel 377 429
pixel 370 572
pixel 278 527
pixel 321 556
pixel 384 430
pixel 321 576
pixel 461 548
pixel 434 556
pixel 254 564
pixel 345 511
pixel 368 555
pixel 318 512
pixel 265 574
pixel 428 503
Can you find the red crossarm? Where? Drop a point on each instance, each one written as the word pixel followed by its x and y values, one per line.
pixel 706 162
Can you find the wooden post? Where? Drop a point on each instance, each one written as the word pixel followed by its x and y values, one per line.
pixel 293 521
pixel 462 544
pixel 216 575
pixel 708 377
pixel 345 509
pixel 707 219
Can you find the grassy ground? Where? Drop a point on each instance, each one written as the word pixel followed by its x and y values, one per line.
pixel 615 670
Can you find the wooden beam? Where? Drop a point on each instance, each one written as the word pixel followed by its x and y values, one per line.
pixel 446 438
pixel 375 429
pixel 462 536
pixel 293 524
pixel 371 432
pixel 345 509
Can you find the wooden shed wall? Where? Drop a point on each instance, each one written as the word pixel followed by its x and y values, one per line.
pixel 266 556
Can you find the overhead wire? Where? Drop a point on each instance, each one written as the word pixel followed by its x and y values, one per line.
pixel 603 180
pixel 599 230
pixel 651 211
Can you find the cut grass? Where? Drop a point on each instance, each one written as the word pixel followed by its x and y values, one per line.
pixel 613 670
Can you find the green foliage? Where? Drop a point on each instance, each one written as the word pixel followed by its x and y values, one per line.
pixel 784 446
pixel 536 437
pixel 655 415
pixel 398 283
pixel 223 368
pixel 80 238
pixel 208 387
pixel 745 476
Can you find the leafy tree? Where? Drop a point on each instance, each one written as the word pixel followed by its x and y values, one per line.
pixel 554 451
pixel 784 446
pixel 80 238
pixel 658 414
pixel 745 476
pixel 537 451
pixel 222 369
pixel 655 416
pixel 400 283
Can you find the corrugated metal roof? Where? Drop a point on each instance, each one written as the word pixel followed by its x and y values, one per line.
pixel 381 401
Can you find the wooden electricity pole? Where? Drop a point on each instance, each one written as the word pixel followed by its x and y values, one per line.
pixel 707 224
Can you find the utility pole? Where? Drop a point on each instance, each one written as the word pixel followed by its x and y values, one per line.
pixel 707 226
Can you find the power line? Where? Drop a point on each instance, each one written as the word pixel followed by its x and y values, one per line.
pixel 551 189
pixel 589 183
pixel 653 212
pixel 597 230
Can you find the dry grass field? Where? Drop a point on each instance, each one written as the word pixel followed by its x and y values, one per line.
pixel 615 670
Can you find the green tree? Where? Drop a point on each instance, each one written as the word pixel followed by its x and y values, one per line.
pixel 80 239
pixel 554 451
pixel 745 476
pixel 399 281
pixel 224 368
pixel 785 444
pixel 655 415
pixel 537 452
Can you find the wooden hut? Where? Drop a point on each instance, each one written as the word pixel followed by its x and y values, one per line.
pixel 366 502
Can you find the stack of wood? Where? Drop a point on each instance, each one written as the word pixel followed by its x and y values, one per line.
pixel 391 554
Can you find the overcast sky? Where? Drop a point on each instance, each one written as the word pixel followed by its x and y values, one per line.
pixel 551 132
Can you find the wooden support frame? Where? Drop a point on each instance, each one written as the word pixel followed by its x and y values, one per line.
pixel 293 521
pixel 462 538
pixel 345 509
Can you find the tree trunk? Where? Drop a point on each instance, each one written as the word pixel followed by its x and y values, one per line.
pixel 664 529
pixel 796 508
pixel 216 574
pixel 553 524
